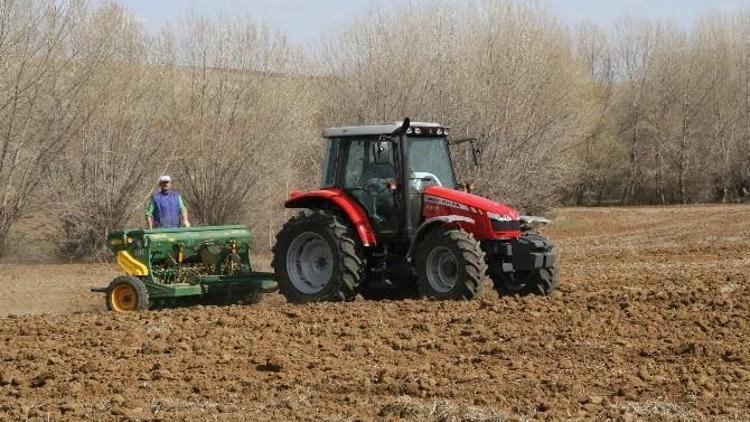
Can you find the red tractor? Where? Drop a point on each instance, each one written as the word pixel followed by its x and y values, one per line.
pixel 390 217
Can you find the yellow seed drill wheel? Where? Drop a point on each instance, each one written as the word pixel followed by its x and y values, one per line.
pixel 127 294
pixel 124 298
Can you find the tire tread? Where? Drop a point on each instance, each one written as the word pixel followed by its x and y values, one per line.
pixel 470 252
pixel 351 265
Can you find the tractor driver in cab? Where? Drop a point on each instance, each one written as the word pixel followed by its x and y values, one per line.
pixel 166 208
pixel 378 180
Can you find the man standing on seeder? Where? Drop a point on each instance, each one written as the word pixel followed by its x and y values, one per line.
pixel 166 208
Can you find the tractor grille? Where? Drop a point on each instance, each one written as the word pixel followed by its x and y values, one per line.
pixel 505 226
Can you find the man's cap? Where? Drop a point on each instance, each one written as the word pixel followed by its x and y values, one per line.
pixel 164 179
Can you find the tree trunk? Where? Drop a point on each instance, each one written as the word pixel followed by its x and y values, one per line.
pixel 657 175
pixel 632 165
pixel 5 223
pixel 682 165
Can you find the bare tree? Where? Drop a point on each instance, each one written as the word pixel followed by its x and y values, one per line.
pixel 43 74
pixel 636 42
pixel 241 110
pixel 497 70
pixel 595 155
pixel 108 170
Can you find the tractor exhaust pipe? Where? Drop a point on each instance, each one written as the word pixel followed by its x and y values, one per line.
pixel 404 127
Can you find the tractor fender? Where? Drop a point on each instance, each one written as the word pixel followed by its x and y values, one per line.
pixel 432 222
pixel 338 199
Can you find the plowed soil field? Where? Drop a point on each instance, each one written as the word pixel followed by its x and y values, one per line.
pixel 652 321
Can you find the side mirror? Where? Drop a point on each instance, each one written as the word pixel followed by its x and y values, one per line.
pixel 404 126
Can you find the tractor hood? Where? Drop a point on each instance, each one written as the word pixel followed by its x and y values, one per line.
pixel 479 203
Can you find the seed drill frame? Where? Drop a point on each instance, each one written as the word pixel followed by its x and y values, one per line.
pixel 178 263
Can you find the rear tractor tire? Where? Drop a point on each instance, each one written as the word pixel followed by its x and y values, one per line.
pixel 540 281
pixel 127 294
pixel 450 265
pixel 316 259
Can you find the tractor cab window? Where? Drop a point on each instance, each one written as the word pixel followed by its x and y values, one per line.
pixel 329 165
pixel 365 164
pixel 369 171
pixel 430 163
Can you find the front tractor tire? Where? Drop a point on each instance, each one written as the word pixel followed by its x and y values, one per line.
pixel 315 259
pixel 450 265
pixel 127 294
pixel 540 281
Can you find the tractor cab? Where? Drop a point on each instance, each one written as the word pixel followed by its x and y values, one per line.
pixel 389 213
pixel 388 174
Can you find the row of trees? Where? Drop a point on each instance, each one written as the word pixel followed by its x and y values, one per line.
pixel 673 112
pixel 93 108
pixel 501 72
pixel 641 113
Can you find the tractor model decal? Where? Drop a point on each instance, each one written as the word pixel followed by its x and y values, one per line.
pixel 445 202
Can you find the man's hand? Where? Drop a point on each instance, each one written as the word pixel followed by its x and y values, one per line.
pixel 150 222
pixel 186 223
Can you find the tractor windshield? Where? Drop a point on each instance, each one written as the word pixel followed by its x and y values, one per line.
pixel 430 162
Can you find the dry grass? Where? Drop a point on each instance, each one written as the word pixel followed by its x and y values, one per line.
pixel 410 408
pixel 659 408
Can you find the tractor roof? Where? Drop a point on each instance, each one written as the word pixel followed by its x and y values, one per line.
pixel 376 129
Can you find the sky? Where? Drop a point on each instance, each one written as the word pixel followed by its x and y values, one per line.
pixel 306 21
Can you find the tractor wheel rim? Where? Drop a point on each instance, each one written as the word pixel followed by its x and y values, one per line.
pixel 124 298
pixel 309 263
pixel 442 269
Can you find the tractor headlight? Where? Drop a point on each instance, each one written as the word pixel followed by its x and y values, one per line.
pixel 498 217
